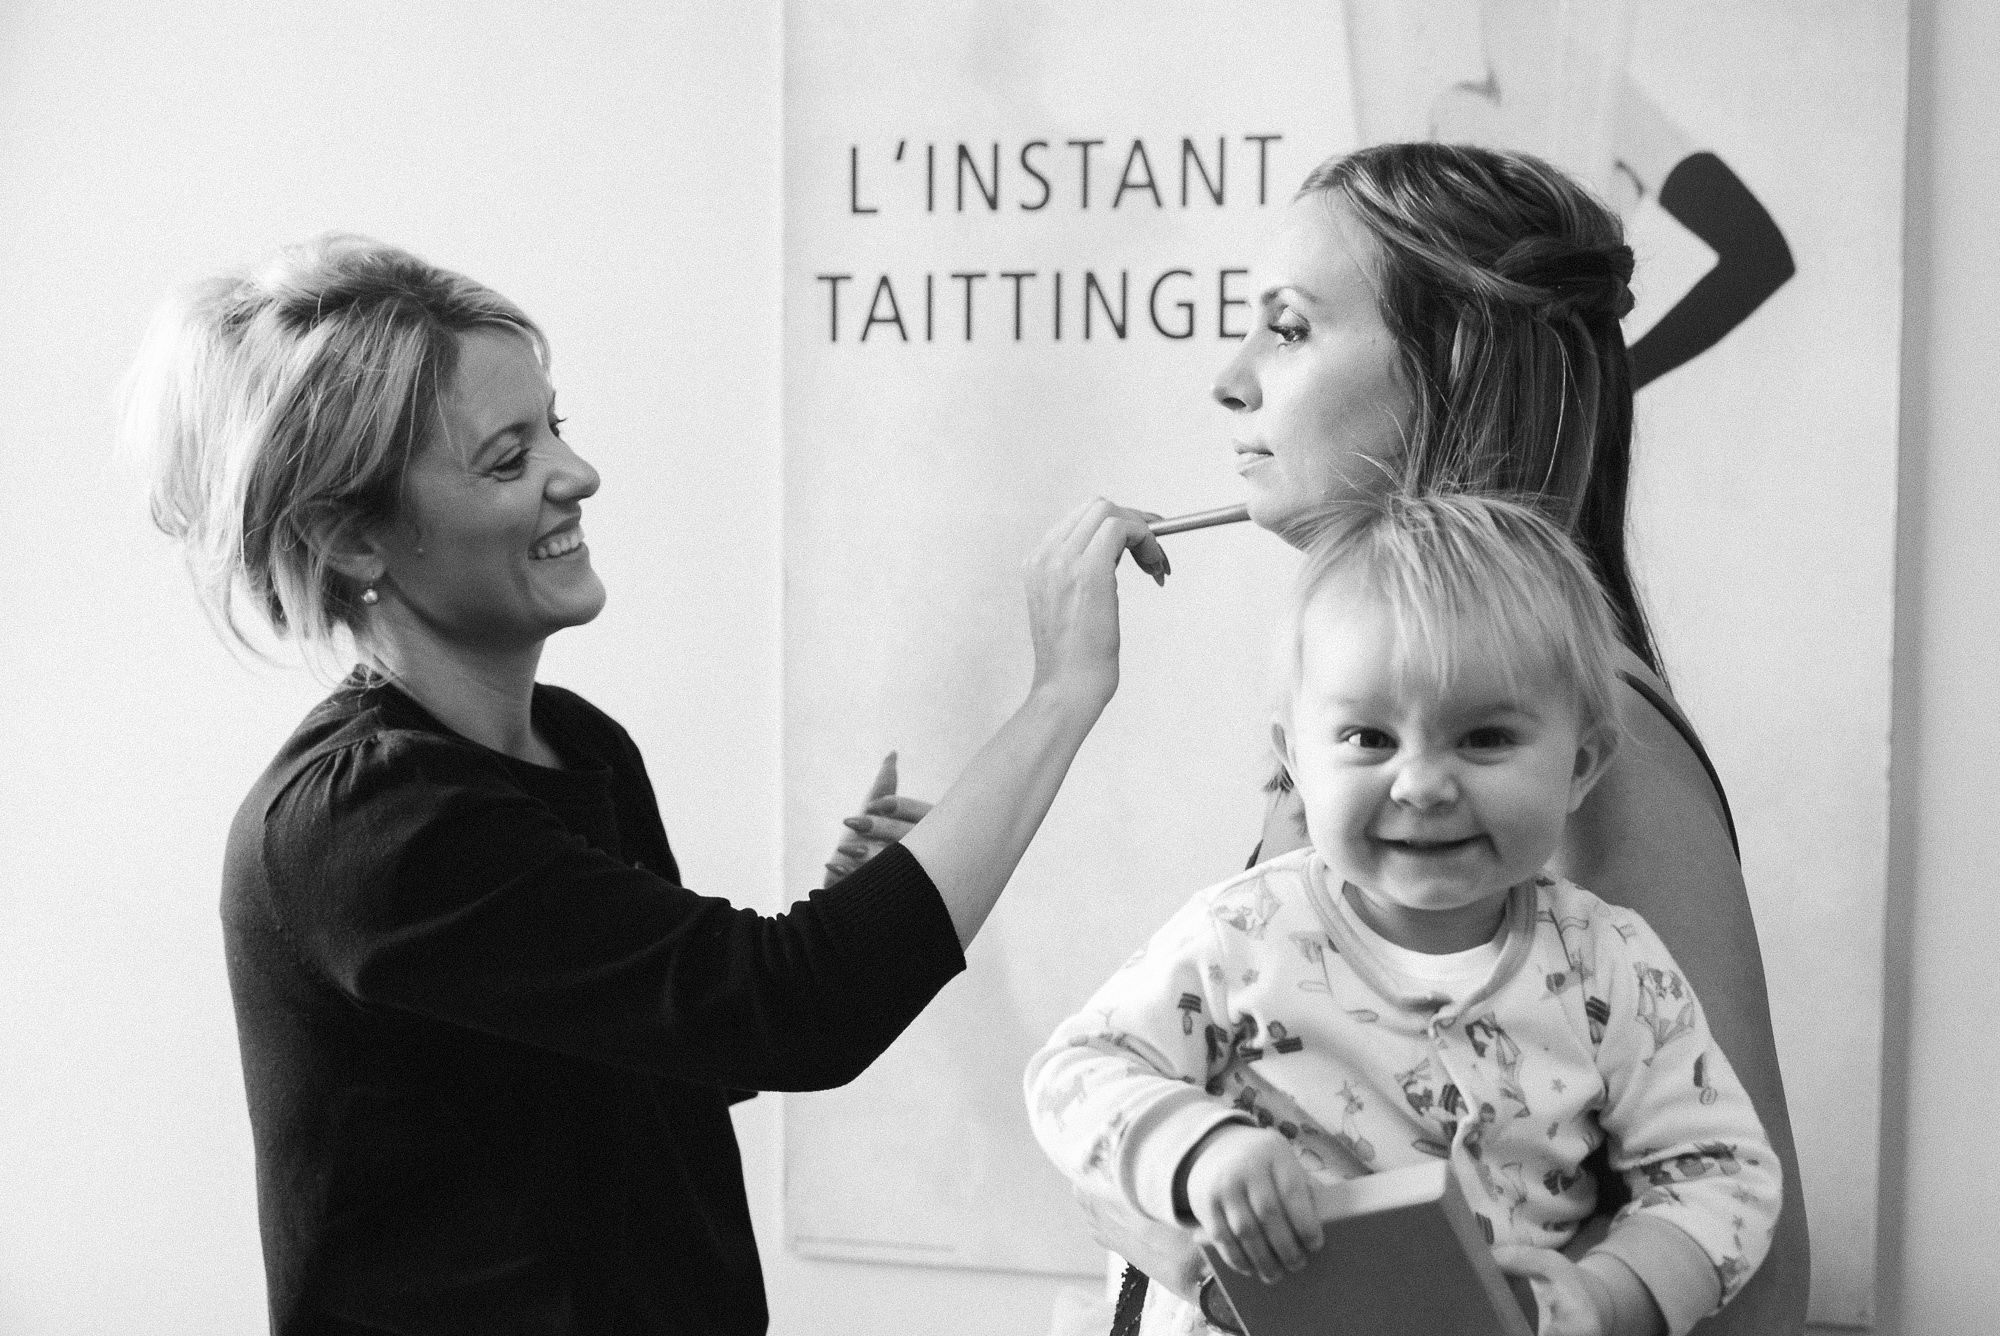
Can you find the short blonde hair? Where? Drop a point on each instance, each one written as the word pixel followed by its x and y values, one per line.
pixel 279 409
pixel 1464 575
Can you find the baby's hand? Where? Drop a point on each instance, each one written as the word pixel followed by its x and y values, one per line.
pixel 1253 1201
pixel 1567 1301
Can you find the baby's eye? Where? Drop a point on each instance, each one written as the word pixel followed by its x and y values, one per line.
pixel 1489 739
pixel 1367 739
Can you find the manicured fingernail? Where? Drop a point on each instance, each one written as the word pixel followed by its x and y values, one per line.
pixel 860 823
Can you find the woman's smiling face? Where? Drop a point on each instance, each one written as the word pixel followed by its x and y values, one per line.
pixel 1316 390
pixel 487 551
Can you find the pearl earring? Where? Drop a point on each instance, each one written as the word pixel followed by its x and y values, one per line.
pixel 370 597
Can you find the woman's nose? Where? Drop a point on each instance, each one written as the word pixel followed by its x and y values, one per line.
pixel 1423 784
pixel 572 479
pixel 1235 387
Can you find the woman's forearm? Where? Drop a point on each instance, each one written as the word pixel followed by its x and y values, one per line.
pixel 971 842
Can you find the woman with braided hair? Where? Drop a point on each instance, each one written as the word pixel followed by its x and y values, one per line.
pixel 1436 316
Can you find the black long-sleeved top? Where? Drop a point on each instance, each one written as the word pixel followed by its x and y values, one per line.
pixel 490 1042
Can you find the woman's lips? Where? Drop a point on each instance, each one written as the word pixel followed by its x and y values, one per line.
pixel 558 544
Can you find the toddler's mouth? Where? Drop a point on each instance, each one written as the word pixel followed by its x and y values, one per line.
pixel 1428 845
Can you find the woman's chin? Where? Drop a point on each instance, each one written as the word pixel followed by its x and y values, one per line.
pixel 587 606
pixel 1278 514
pixel 579 604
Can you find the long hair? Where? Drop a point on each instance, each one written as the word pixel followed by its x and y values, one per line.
pixel 279 409
pixel 1503 282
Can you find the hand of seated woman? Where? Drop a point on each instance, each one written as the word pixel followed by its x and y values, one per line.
pixel 1166 1253
pixel 885 817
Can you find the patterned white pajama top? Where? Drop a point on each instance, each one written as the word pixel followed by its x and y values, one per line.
pixel 1267 1000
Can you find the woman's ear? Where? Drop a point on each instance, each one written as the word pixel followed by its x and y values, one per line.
pixel 1593 756
pixel 351 547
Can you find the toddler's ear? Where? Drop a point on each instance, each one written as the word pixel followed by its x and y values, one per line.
pixel 1593 756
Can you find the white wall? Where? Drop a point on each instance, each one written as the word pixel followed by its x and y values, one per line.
pixel 614 172
pixel 1942 1067
pixel 618 175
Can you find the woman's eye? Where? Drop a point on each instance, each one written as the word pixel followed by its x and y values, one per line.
pixel 510 466
pixel 555 424
pixel 1288 329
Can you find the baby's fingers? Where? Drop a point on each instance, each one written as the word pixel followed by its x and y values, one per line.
pixel 1228 1247
pixel 1284 1217
pixel 1250 1248
pixel 1296 1197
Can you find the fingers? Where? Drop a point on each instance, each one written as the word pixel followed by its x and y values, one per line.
pixel 1256 1204
pixel 886 817
pixel 1099 521
pixel 1273 1237
pixel 885 781
pixel 1562 1294
pixel 886 826
pixel 899 807
pixel 1127 529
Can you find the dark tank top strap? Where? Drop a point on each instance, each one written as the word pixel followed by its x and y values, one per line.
pixel 1686 730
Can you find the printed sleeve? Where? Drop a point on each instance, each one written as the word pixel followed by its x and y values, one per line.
pixel 415 878
pixel 1706 1185
pixel 1117 1097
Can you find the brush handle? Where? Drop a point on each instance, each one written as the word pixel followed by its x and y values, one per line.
pixel 1201 519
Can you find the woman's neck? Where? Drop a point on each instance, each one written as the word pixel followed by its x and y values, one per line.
pixel 485 695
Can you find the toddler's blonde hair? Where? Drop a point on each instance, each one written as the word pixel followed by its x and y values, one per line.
pixel 1463 575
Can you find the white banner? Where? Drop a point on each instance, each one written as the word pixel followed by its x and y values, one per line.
pixel 1016 237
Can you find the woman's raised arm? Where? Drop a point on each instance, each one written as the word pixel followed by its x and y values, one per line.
pixel 1653 836
pixel 971 841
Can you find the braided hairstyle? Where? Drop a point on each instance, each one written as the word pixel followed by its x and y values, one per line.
pixel 1503 282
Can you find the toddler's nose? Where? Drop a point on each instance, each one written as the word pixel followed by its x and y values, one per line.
pixel 1424 784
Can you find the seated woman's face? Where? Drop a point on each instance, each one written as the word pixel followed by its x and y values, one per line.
pixel 488 549
pixel 1315 390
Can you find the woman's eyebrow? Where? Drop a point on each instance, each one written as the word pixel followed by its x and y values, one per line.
pixel 1272 294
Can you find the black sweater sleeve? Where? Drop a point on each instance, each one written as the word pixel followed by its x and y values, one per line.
pixel 421 880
